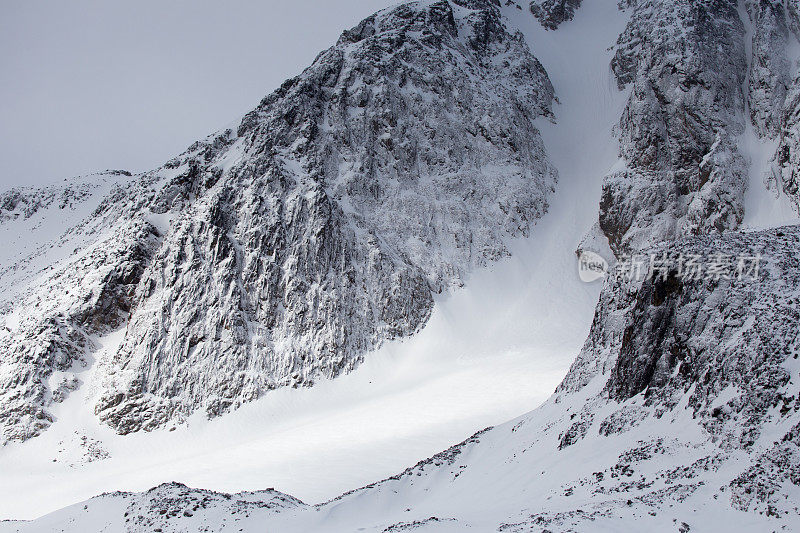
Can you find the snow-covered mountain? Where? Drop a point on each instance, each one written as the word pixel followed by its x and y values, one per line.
pixel 407 156
pixel 281 252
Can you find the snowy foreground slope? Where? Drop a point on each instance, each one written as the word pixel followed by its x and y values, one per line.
pixel 681 410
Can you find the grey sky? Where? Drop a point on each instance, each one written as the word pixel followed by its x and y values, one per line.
pixel 89 85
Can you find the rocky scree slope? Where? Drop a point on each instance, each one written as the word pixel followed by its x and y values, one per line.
pixel 281 252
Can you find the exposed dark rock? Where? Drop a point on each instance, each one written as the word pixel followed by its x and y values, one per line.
pixel 685 63
pixel 552 13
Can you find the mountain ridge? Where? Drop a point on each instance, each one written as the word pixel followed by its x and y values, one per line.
pixel 248 280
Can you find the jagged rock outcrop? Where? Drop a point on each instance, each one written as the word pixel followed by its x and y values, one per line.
pixel 46 339
pixel 718 343
pixel 697 71
pixel 552 13
pixel 279 253
pixel 59 289
pixel 773 24
pixel 684 63
pixel 785 172
pixel 718 316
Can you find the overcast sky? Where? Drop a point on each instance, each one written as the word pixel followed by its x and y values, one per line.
pixel 90 85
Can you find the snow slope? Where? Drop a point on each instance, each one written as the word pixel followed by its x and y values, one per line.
pixel 38 226
pixel 491 350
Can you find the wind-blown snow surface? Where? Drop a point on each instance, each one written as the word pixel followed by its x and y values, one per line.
pixel 491 351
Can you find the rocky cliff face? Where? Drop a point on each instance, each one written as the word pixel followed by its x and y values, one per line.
pixel 772 86
pixel 61 289
pixel 698 73
pixel 775 80
pixel 49 339
pixel 716 347
pixel 784 177
pixel 685 65
pixel 718 317
pixel 552 13
pixel 280 253
pixel 772 39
